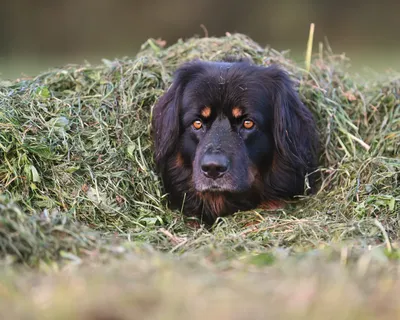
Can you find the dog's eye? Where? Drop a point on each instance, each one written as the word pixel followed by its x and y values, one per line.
pixel 248 124
pixel 197 124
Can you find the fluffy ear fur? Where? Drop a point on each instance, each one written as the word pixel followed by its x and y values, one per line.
pixel 295 136
pixel 165 122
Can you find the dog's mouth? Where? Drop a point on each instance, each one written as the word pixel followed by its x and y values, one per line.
pixel 215 187
pixel 218 174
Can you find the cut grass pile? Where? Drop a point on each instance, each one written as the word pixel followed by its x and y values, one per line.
pixel 78 184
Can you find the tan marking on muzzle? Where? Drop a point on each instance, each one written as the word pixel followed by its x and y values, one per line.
pixel 179 160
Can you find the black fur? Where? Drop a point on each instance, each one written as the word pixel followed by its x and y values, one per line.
pixel 268 162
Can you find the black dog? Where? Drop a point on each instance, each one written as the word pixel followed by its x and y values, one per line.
pixel 232 136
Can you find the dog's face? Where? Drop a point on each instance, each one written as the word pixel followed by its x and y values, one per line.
pixel 230 135
pixel 224 137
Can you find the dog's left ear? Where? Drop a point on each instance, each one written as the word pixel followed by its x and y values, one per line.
pixel 295 134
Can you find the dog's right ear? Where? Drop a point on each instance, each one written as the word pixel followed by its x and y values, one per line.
pixel 165 121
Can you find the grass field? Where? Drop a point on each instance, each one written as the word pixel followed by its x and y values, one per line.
pixel 86 232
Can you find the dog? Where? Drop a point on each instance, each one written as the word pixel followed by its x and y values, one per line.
pixel 232 136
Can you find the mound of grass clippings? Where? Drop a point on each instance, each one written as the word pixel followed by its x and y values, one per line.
pixel 36 239
pixel 76 162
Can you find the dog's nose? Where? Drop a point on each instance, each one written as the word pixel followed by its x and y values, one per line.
pixel 214 165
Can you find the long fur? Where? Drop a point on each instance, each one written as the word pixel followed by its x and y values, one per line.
pixel 291 143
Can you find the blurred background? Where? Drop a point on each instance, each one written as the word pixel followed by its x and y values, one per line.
pixel 38 34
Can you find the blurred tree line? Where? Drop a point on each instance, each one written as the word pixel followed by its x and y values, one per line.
pixel 86 28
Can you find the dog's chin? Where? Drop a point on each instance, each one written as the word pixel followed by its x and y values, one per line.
pixel 215 190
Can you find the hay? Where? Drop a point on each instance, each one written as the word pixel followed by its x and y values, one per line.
pixel 77 172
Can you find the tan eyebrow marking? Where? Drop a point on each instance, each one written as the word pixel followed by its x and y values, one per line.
pixel 237 112
pixel 206 112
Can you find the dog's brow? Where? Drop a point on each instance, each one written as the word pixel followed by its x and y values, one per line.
pixel 206 112
pixel 237 112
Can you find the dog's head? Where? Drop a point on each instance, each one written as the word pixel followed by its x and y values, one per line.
pixel 233 129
